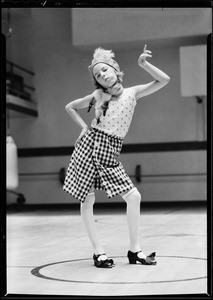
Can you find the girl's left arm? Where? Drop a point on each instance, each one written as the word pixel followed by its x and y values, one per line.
pixel 161 79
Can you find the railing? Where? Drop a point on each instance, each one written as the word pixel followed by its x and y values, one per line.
pixel 138 176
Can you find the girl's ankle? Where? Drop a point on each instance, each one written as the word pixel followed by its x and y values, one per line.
pixel 99 251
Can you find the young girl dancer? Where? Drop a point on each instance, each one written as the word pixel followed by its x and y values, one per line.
pixel 94 162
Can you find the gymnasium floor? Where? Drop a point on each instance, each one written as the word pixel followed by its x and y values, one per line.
pixel 48 252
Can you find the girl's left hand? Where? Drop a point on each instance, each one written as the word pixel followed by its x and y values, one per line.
pixel 142 58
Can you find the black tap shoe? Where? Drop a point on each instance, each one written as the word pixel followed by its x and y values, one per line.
pixel 149 260
pixel 107 263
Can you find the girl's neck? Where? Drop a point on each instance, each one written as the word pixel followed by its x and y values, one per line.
pixel 115 90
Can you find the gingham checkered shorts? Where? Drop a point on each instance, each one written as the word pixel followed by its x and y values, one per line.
pixel 94 163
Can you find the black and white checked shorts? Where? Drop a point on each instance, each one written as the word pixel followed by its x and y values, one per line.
pixel 94 163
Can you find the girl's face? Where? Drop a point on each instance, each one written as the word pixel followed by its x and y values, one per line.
pixel 104 74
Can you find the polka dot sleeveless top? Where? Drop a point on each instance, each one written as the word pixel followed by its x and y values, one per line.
pixel 119 114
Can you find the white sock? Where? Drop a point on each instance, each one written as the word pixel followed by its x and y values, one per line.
pixel 133 199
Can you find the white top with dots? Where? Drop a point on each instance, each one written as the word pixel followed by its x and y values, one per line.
pixel 119 114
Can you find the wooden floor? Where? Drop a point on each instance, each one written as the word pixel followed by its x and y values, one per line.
pixel 48 253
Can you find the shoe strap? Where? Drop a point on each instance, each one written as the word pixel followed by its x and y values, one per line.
pixel 98 255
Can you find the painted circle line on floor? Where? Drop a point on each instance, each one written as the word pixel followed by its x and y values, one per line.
pixel 65 271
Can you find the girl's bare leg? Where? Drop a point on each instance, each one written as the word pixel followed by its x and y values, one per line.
pixel 133 199
pixel 89 223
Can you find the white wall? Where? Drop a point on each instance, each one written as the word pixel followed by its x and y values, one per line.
pixel 133 25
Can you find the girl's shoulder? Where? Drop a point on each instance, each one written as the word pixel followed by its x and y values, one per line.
pixel 130 91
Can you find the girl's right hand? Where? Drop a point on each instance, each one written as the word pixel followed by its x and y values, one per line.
pixel 84 130
pixel 142 58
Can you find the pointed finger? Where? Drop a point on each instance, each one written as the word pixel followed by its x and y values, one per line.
pixel 144 49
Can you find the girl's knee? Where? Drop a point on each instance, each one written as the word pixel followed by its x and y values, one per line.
pixel 89 201
pixel 132 195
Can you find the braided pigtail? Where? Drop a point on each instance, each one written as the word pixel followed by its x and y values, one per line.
pixel 104 108
pixel 92 102
pixel 101 101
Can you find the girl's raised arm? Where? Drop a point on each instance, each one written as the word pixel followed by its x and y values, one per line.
pixel 161 79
